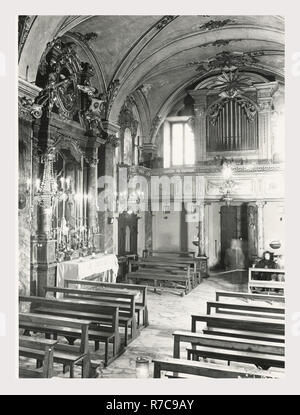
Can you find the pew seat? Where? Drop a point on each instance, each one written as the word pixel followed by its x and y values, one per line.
pixel 204 369
pixel 40 349
pixel 245 334
pixel 262 360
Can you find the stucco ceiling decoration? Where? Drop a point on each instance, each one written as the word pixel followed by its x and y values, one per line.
pixel 231 84
pixel 228 61
pixel 216 24
pixel 161 57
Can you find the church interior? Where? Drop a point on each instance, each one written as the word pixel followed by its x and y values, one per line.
pixel 151 196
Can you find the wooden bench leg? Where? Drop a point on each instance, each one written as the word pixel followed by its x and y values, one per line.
pixel 96 345
pixel 146 317
pixel 138 318
pixel 133 328
pixel 126 333
pixel 156 373
pixel 116 344
pixel 176 348
pixel 86 367
pixel 106 352
pixel 71 370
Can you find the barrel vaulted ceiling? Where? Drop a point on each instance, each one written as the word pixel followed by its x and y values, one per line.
pixel 161 57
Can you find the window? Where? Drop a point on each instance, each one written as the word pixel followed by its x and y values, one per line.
pixel 179 144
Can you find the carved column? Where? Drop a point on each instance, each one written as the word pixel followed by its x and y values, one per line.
pixel 265 100
pixel 200 106
pixel 260 227
pixel 92 189
pixel 201 248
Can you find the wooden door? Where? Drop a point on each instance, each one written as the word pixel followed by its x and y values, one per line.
pixel 127 234
pixel 229 228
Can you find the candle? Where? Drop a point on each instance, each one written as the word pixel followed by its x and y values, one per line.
pixel 68 182
pixel 37 184
pixel 28 184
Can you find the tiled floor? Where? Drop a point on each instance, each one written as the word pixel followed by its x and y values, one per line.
pixel 167 312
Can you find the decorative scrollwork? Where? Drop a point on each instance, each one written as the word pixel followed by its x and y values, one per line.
pixel 227 61
pixel 110 95
pixel 85 38
pixel 216 24
pixel 60 73
pixel 248 107
pixel 164 21
pixel 93 117
pixel 113 140
pixel 126 117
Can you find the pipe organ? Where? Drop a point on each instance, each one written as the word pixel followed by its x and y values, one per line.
pixel 232 125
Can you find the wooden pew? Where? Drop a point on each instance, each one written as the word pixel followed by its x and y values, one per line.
pixel 52 325
pixel 206 369
pixel 241 326
pixel 163 267
pixel 181 283
pixel 124 300
pixel 194 263
pixel 253 310
pixel 103 320
pixel 264 361
pixel 39 349
pixel 176 253
pixel 265 284
pixel 230 343
pixel 249 296
pixel 140 304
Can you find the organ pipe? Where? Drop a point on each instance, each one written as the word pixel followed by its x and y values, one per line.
pixel 232 129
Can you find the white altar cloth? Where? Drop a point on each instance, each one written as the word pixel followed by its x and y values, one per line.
pixel 83 267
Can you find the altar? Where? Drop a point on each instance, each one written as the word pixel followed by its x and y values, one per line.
pixel 84 267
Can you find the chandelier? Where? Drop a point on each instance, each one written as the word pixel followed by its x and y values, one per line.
pixel 227 186
pixel 47 188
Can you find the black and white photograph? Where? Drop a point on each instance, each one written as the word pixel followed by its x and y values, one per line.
pixel 151 201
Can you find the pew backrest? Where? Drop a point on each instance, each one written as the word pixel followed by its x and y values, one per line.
pixel 51 321
pixel 249 296
pixel 111 286
pixel 120 299
pixel 220 307
pixel 110 312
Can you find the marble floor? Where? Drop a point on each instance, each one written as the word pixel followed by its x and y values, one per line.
pixel 167 312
